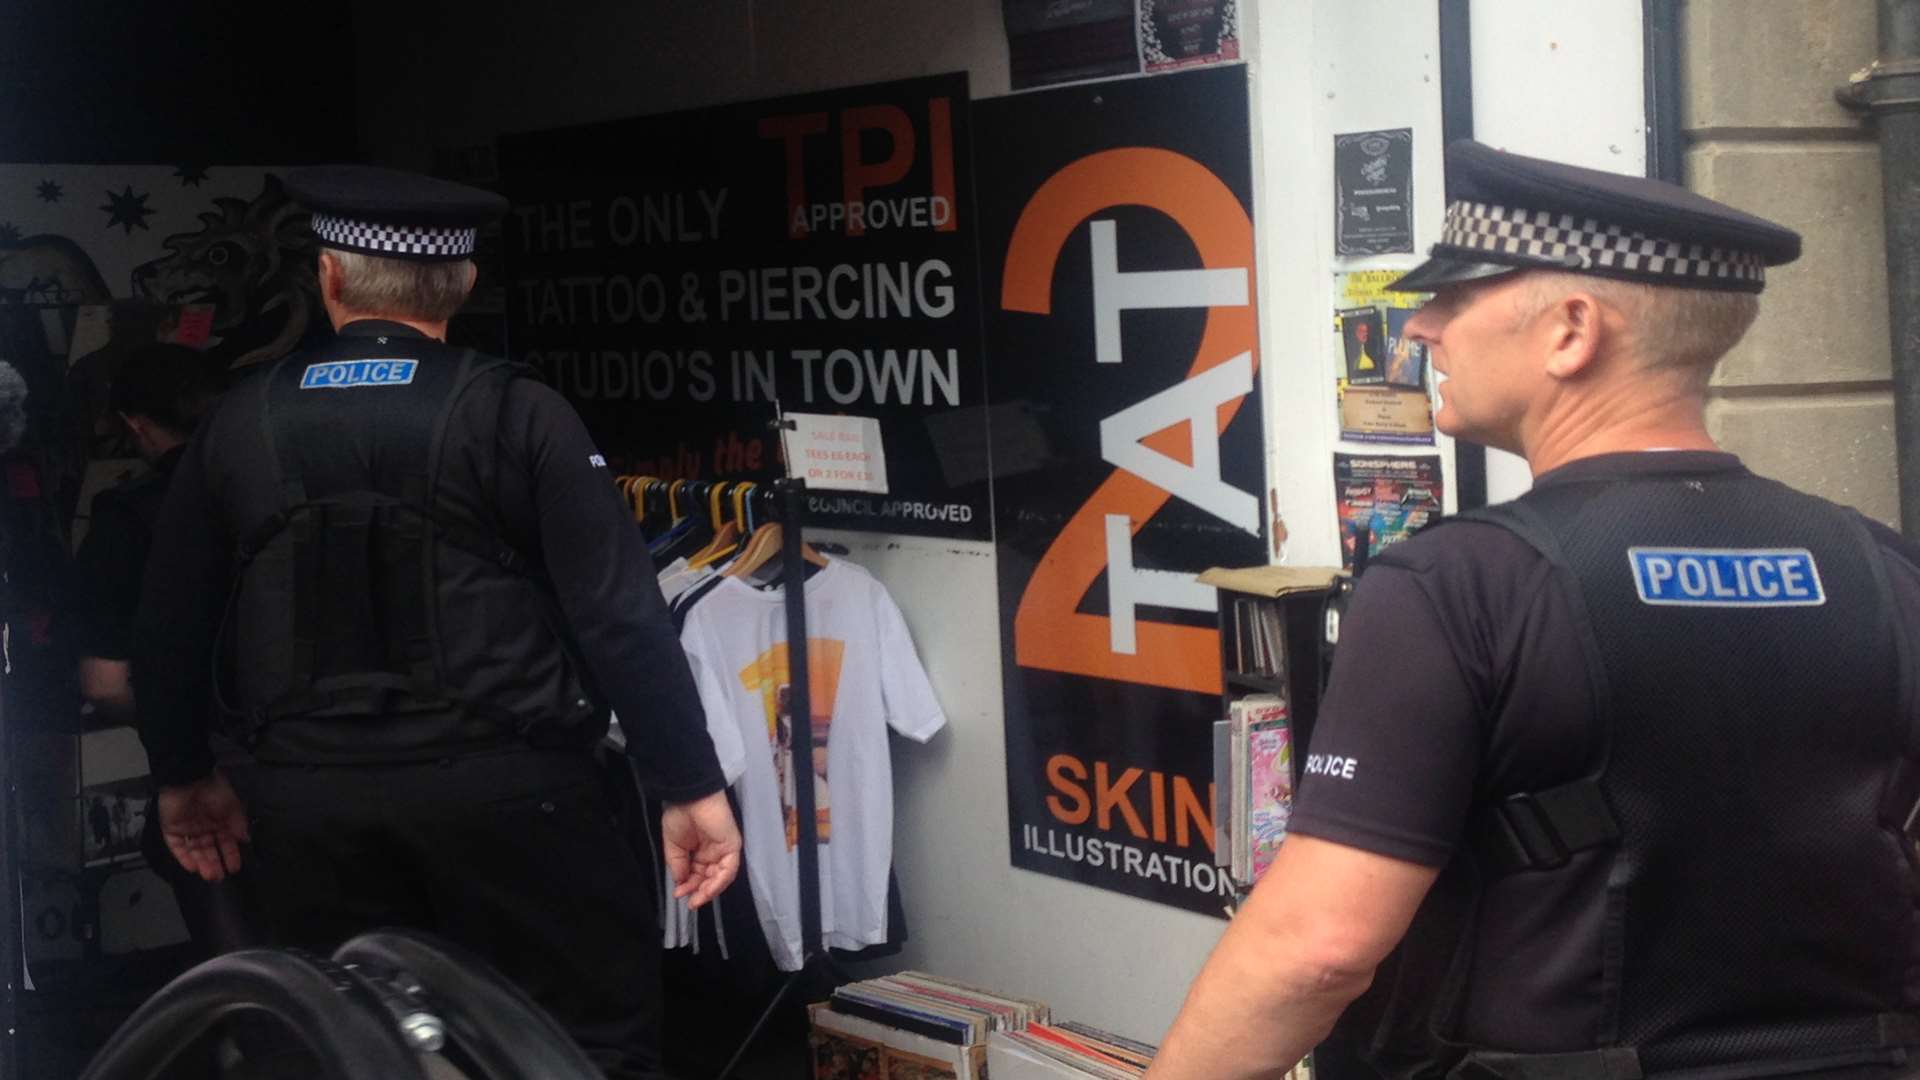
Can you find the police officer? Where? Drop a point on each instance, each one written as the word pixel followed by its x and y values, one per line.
pixel 435 594
pixel 1634 784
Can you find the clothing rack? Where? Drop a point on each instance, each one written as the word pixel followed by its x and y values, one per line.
pixel 783 501
pixel 792 499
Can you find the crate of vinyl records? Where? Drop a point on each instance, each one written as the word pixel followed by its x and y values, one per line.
pixel 1277 629
pixel 1065 1051
pixel 912 1026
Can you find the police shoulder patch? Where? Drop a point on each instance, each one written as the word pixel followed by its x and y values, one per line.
pixel 1726 577
pixel 347 374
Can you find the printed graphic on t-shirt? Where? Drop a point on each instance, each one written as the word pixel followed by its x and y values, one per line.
pixel 769 676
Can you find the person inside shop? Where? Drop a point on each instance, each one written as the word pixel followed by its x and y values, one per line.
pixel 1633 795
pixel 424 593
pixel 159 396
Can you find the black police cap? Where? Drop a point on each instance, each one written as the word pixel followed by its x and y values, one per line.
pixel 1511 212
pixel 393 214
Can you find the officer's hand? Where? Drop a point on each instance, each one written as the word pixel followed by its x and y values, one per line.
pixel 703 847
pixel 204 823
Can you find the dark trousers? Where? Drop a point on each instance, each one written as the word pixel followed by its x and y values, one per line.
pixel 515 855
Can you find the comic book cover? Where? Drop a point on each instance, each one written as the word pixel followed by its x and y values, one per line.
pixel 1270 785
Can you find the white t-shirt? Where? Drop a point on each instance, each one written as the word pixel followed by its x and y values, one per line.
pixel 677 577
pixel 866 678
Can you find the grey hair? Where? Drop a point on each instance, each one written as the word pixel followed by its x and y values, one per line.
pixel 1667 326
pixel 426 291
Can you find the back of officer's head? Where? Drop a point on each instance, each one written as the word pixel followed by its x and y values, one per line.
pixel 166 386
pixel 1643 275
pixel 396 288
pixel 395 245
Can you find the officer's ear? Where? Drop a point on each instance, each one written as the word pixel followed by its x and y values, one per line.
pixel 332 277
pixel 1576 327
pixel 473 275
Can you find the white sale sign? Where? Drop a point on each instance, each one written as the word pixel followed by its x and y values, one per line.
pixel 839 453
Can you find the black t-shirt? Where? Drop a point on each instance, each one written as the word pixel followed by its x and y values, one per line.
pixel 1459 679
pixel 554 501
pixel 113 558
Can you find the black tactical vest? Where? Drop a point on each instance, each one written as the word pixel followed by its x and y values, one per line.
pixel 378 610
pixel 1752 793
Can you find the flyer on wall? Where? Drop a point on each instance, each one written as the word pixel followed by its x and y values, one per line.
pixel 676 275
pixel 1387 498
pixel 1183 33
pixel 1150 470
pixel 1383 391
pixel 1373 192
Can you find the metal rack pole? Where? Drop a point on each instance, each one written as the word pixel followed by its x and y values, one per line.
pixel 793 503
pixel 793 573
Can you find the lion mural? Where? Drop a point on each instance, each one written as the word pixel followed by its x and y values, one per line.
pixel 254 261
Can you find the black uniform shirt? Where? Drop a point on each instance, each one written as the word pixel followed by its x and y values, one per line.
pixel 113 556
pixel 556 503
pixel 1459 678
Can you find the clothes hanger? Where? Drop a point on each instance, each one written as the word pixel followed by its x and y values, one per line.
pixel 636 488
pixel 766 545
pixel 742 504
pixel 726 536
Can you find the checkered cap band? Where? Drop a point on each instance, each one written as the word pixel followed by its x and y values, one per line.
pixel 417 241
pixel 1587 244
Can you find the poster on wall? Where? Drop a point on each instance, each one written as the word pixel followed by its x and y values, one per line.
pixel 1373 192
pixel 1387 499
pixel 1053 42
pixel 1117 226
pixel 1058 41
pixel 675 275
pixel 1183 33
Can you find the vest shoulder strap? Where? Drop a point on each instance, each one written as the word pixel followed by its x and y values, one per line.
pixel 1542 830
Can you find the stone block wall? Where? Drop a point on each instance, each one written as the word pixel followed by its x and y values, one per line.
pixel 1807 397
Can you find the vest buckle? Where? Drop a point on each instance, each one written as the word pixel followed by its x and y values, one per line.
pixel 1527 830
pixel 1543 830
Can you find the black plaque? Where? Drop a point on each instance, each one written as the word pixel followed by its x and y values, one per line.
pixel 674 275
pixel 1373 191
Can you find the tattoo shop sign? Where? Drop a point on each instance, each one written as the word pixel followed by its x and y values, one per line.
pixel 675 275
pixel 1118 224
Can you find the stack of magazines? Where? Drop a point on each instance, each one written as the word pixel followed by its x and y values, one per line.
pixel 1253 787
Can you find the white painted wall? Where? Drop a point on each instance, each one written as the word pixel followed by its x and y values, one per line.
pixel 1561 81
pixel 1321 68
pixel 1318 66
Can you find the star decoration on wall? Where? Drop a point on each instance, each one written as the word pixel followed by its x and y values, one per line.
pixel 9 232
pixel 127 210
pixel 50 191
pixel 191 175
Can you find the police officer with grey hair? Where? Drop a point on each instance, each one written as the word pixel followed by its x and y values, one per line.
pixel 1632 796
pixel 422 595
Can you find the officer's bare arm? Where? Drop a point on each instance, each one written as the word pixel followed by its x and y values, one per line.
pixel 1302 948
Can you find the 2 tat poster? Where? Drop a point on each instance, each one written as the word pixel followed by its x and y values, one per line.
pixel 1121 328
pixel 675 275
